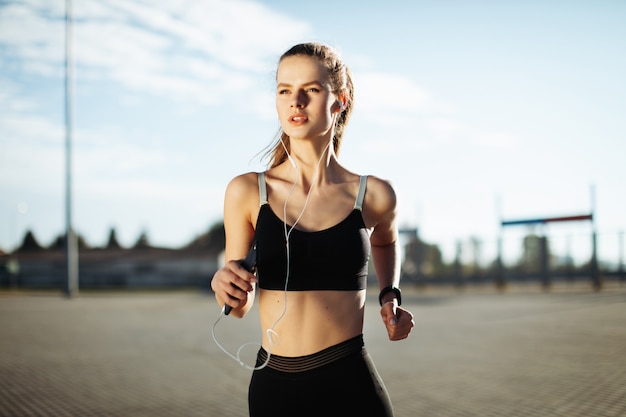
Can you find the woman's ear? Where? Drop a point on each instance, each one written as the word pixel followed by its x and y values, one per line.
pixel 342 101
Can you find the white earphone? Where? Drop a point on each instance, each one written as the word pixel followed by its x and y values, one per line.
pixel 273 338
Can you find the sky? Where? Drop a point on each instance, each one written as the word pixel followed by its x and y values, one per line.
pixel 476 111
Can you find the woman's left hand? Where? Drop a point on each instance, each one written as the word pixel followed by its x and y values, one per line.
pixel 398 321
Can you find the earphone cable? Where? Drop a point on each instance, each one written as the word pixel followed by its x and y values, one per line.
pixel 273 338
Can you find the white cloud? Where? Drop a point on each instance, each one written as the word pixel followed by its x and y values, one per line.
pixel 31 38
pixel 447 126
pixel 195 52
pixel 206 53
pixel 391 97
pixel 497 139
pixel 396 101
pixel 185 50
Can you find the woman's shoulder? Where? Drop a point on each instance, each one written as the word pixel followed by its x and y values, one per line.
pixel 244 179
pixel 380 189
pixel 380 199
pixel 243 186
pixel 380 195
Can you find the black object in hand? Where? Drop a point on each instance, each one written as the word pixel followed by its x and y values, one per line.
pixel 249 264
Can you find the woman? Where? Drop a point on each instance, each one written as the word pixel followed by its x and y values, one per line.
pixel 315 230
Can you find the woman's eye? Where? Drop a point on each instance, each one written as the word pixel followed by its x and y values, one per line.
pixel 283 91
pixel 314 90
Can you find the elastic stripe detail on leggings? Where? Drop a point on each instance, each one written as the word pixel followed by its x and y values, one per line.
pixel 315 360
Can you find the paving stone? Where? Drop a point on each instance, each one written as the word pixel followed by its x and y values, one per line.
pixel 476 353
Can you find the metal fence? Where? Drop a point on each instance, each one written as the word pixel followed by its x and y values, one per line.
pixel 517 257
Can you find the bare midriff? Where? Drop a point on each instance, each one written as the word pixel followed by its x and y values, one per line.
pixel 314 320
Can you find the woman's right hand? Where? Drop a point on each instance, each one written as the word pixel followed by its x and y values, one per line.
pixel 233 284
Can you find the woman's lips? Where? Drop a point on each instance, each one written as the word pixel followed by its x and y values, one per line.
pixel 298 119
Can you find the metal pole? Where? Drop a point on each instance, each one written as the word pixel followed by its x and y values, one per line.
pixel 71 248
pixel 622 276
pixel 568 256
pixel 545 262
pixel 596 279
pixel 499 279
pixel 458 266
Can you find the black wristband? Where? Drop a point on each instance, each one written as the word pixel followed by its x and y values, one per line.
pixel 393 289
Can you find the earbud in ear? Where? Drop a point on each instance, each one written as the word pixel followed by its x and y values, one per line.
pixel 340 103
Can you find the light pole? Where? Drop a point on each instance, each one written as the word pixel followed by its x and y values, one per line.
pixel 71 248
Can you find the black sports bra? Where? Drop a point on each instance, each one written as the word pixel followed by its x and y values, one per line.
pixel 331 259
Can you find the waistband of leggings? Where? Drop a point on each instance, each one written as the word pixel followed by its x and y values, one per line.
pixel 312 361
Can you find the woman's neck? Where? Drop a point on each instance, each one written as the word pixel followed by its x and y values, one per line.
pixel 312 167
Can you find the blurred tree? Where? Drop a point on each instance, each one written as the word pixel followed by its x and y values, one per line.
pixel 476 251
pixel 29 243
pixel 59 243
pixel 142 241
pixel 113 243
pixel 422 260
pixel 213 241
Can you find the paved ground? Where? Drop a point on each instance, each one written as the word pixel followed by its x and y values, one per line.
pixel 473 354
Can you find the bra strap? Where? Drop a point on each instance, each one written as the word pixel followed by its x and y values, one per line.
pixel 262 189
pixel 359 199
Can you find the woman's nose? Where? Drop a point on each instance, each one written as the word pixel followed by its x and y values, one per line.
pixel 298 100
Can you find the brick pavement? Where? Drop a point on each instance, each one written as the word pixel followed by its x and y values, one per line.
pixel 472 354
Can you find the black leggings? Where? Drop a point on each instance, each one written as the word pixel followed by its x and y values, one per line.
pixel 339 381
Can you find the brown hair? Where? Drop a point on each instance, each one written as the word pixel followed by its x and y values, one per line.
pixel 341 83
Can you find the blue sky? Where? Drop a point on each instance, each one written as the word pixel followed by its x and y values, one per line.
pixel 461 104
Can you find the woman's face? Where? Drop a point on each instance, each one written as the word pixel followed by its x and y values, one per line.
pixel 305 103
